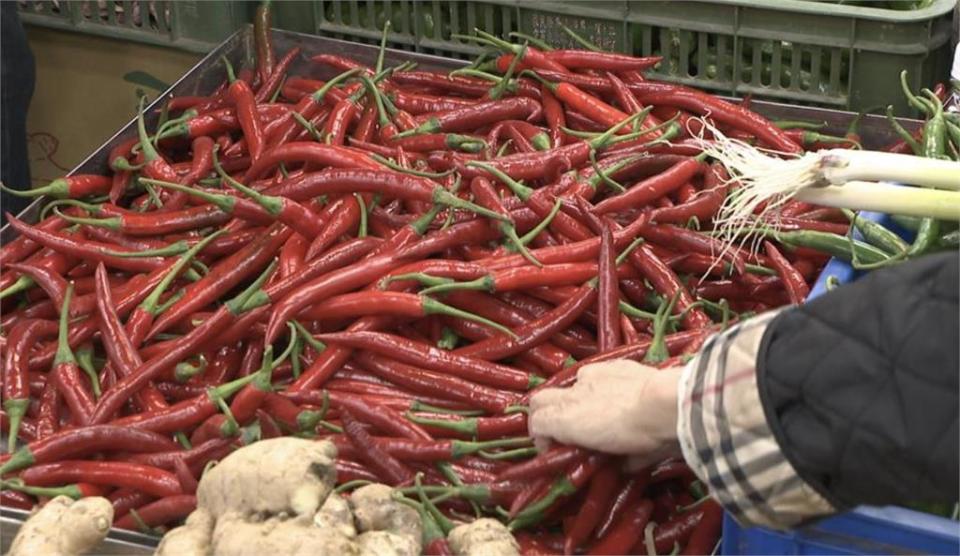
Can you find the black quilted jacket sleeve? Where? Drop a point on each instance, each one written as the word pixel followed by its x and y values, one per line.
pixel 860 386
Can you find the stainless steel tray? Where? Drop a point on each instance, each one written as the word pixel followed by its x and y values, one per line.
pixel 209 72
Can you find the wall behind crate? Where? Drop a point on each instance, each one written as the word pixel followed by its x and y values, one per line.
pixel 87 88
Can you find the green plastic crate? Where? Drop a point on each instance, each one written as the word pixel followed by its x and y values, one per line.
pixel 811 53
pixel 191 25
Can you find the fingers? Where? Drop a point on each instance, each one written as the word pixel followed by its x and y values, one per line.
pixel 550 397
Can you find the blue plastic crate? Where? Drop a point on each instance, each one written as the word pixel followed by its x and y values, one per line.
pixel 865 530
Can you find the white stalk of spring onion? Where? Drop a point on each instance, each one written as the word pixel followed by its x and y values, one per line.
pixel 839 166
pixel 763 181
pixel 885 197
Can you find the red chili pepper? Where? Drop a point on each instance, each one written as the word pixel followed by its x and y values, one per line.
pixel 151 480
pixel 793 281
pixel 225 275
pixel 76 186
pixel 436 384
pixel 366 126
pixel 609 61
pixel 16 393
pixel 608 294
pixel 480 428
pixel 419 103
pixel 292 255
pixel 315 153
pixel 22 247
pixel 679 528
pixel 84 441
pixel 705 535
pixel 341 216
pixel 629 493
pixel 467 86
pixel 165 510
pixel 201 453
pixel 48 416
pixel 425 356
pixel 567 485
pixel 598 497
pixel 468 118
pixel 381 417
pixel 270 84
pixel 390 468
pixel 14 499
pixel 625 531
pixel 549 462
pixel 87 250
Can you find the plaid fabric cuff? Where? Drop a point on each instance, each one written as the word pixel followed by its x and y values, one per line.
pixel 726 440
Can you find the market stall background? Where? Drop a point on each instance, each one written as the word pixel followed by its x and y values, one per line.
pixel 810 53
pixel 235 46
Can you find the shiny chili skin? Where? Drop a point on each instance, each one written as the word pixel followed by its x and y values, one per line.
pixel 159 512
pixel 652 188
pixel 200 453
pixel 270 84
pixel 48 415
pixel 316 153
pixel 436 384
pixel 342 215
pixel 703 205
pixel 83 441
pixel 609 61
pixel 629 493
pixel 679 528
pixel 443 425
pixel 376 457
pixel 545 464
pixel 366 126
pixel 381 417
pixel 22 247
pixel 554 116
pixel 87 250
pixel 225 275
pixel 426 356
pixel 421 103
pixel 705 535
pixel 793 281
pixel 23 336
pixel 125 499
pixel 167 222
pixel 244 103
pixel 292 255
pixel 150 480
pixel 536 331
pixel 468 118
pixel 187 345
pixel 625 531
pixel 466 86
pixel 342 115
pixel 608 294
pixel 121 352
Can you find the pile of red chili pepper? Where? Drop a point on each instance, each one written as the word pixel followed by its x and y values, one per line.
pixel 394 260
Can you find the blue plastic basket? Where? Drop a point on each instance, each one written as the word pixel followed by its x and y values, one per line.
pixel 865 530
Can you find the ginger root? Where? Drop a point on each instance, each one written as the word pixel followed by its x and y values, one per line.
pixel 483 537
pixel 235 536
pixel 190 539
pixel 64 527
pixel 285 474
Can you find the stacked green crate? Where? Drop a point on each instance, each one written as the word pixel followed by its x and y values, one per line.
pixel 792 50
pixel 191 25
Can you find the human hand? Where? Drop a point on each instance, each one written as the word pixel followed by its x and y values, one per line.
pixel 619 407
